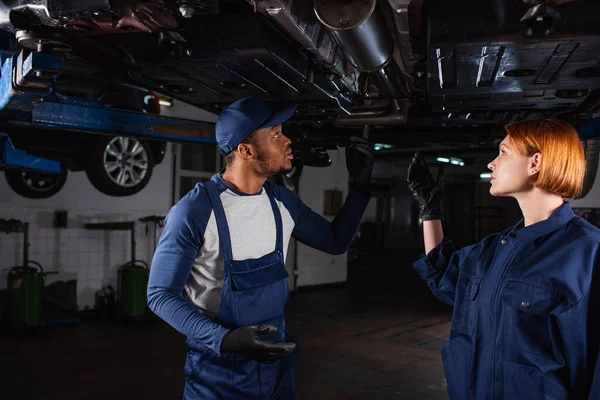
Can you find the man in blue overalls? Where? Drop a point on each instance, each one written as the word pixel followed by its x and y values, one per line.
pixel 218 275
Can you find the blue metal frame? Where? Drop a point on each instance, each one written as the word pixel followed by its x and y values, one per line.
pixel 26 81
pixel 12 157
pixel 27 99
pixel 103 120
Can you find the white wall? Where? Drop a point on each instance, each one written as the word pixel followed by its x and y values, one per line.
pixel 91 257
pixel 315 267
pixel 182 110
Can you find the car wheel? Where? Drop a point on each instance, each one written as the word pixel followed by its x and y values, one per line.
pixel 592 150
pixel 34 184
pixel 118 165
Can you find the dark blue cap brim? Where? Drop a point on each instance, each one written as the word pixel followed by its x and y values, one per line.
pixel 279 117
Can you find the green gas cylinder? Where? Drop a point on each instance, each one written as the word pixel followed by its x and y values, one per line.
pixel 25 296
pixel 133 284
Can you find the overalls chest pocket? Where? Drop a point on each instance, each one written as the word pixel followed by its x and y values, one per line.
pixel 261 292
pixel 525 316
pixel 465 307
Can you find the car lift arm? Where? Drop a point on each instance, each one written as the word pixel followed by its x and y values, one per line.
pixel 27 99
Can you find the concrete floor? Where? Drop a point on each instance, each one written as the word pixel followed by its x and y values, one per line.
pixel 369 339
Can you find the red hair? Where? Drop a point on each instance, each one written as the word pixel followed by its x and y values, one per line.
pixel 563 160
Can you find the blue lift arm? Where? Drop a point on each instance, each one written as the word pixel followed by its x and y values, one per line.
pixel 10 156
pixel 27 99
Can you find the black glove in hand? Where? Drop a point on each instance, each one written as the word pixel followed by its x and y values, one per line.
pixel 244 341
pixel 427 191
pixel 359 161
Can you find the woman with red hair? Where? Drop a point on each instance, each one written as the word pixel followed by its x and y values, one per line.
pixel 526 301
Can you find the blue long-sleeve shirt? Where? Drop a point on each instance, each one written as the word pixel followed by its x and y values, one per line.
pixel 526 302
pixel 186 275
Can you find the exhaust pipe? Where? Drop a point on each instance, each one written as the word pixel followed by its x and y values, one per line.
pixel 395 118
pixel 360 29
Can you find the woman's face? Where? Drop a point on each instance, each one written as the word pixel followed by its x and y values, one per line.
pixel 510 171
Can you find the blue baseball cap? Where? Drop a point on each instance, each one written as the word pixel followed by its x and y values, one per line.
pixel 244 116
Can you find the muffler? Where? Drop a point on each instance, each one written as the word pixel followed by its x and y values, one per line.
pixel 359 27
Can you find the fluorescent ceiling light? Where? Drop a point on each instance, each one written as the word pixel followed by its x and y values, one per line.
pixel 379 146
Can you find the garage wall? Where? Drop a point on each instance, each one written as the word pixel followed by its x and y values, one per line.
pixel 91 257
pixel 179 109
pixel 314 266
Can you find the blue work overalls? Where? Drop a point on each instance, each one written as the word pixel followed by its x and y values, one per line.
pixel 254 292
pixel 525 322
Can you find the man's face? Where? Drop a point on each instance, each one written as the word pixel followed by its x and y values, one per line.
pixel 273 151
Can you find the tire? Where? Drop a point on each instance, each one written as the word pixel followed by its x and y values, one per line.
pixel 592 151
pixel 119 166
pixel 34 184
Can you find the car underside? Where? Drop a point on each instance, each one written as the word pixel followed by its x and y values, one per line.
pixel 410 73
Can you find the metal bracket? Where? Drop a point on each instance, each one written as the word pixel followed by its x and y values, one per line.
pixel 12 225
pixel 27 99
pixel 12 157
pixel 117 226
pixel 25 80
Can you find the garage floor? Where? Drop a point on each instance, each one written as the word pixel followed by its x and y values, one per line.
pixel 368 339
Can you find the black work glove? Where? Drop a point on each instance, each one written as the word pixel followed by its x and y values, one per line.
pixel 244 341
pixel 359 161
pixel 427 191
